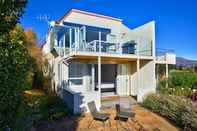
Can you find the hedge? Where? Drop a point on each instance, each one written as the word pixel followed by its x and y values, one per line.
pixel 181 83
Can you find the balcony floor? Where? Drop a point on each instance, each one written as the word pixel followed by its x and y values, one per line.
pixel 107 57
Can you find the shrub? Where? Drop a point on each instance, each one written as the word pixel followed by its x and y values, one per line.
pixel 177 109
pixel 14 71
pixel 179 83
pixel 45 107
pixel 53 107
pixel 183 79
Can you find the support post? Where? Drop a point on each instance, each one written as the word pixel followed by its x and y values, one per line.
pixel 93 76
pixel 166 70
pixel 70 39
pixel 138 73
pixel 138 79
pixel 99 74
pixel 99 64
pixel 78 39
pixel 157 73
pixel 166 75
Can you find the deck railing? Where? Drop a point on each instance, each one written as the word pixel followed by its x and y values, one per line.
pixel 161 52
pixel 106 47
pixel 165 56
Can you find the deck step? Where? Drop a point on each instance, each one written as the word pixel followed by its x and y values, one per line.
pixel 107 94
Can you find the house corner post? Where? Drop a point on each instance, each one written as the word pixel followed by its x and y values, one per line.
pixel 138 80
pixel 99 74
pixel 167 75
pixel 99 64
pixel 138 74
pixel 93 76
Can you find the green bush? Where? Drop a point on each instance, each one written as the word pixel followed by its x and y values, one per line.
pixel 14 71
pixel 23 121
pixel 47 108
pixel 177 109
pixel 181 83
pixel 183 79
pixel 53 107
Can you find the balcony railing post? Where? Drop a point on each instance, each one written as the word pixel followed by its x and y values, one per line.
pixel 99 42
pixel 75 43
pixel 70 39
pixel 119 48
pixel 137 49
pixel 94 46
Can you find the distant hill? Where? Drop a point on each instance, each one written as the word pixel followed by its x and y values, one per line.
pixel 180 61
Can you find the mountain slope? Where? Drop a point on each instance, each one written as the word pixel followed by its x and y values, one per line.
pixel 180 61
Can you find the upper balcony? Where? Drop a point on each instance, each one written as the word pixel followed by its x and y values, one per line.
pixel 76 39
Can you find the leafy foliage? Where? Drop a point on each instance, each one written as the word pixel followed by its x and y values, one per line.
pixel 36 55
pixel 179 83
pixel 47 108
pixel 53 108
pixel 180 110
pixel 14 71
pixel 183 79
pixel 14 61
pixel 10 12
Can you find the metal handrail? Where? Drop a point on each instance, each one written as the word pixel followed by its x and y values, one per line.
pixel 161 52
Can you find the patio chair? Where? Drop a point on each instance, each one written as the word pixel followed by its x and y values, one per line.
pixel 97 116
pixel 123 115
pixel 126 114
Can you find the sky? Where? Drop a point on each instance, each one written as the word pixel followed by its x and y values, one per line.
pixel 176 20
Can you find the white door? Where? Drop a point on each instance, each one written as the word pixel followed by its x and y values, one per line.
pixel 123 82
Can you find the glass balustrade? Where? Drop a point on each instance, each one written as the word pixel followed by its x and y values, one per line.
pixel 67 40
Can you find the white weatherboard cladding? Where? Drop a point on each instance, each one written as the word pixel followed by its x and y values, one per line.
pixel 91 96
pixel 80 100
pixel 147 79
pixel 59 71
pixel 144 36
pixel 46 47
pixel 133 79
pixel 80 70
pixel 146 33
pixel 127 79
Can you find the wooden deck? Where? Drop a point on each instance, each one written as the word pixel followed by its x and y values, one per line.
pixel 110 101
pixel 148 120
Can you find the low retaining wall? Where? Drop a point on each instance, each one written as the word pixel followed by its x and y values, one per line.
pixel 77 101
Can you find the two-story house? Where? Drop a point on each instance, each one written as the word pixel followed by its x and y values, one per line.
pixel 94 56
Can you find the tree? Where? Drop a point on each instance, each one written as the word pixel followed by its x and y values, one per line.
pixel 36 55
pixel 10 13
pixel 32 47
pixel 14 61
